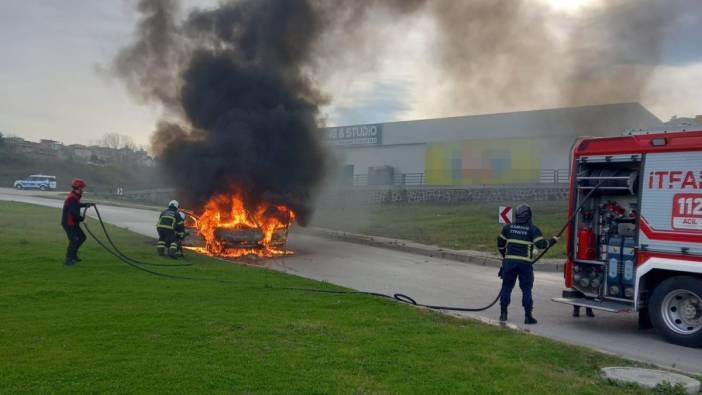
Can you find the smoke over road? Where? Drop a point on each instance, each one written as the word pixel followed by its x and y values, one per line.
pixel 240 83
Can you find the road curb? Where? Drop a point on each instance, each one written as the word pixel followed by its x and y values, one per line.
pixel 114 203
pixel 472 257
pixel 650 378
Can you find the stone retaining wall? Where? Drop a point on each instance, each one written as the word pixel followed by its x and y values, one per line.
pixel 365 196
pixel 448 195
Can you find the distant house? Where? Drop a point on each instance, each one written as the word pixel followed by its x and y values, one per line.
pixel 79 153
pixel 18 144
pixel 682 122
pixel 50 144
pixel 14 140
pixel 50 148
pixel 148 162
pixel 94 155
pixel 142 158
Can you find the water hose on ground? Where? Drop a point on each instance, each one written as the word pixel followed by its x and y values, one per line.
pixel 117 253
pixel 397 296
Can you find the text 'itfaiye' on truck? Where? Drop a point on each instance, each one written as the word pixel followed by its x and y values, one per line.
pixel 636 244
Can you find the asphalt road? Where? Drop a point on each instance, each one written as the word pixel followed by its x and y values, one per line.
pixel 441 282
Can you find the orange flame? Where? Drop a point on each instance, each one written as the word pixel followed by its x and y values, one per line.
pixel 262 230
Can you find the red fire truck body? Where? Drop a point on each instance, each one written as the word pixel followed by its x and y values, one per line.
pixel 636 243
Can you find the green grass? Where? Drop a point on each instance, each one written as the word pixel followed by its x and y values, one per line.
pixel 465 226
pixel 103 327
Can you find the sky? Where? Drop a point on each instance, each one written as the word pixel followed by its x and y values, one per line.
pixel 55 81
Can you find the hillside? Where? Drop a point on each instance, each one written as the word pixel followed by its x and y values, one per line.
pixel 15 166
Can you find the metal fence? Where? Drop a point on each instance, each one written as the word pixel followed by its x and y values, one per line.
pixel 554 176
pixel 361 180
pixel 546 176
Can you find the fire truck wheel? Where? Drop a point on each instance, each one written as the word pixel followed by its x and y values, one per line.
pixel 676 310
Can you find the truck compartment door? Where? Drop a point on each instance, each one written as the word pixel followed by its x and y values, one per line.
pixel 671 203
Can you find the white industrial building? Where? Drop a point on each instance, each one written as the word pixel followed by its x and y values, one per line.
pixel 517 147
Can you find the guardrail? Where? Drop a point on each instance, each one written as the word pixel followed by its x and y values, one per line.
pixel 546 176
pixel 362 180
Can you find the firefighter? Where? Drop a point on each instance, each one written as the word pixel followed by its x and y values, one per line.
pixel 71 219
pixel 516 244
pixel 170 225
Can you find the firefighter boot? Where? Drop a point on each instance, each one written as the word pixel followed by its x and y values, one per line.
pixel 589 313
pixel 161 248
pixel 69 262
pixel 576 311
pixel 173 250
pixel 503 313
pixel 528 318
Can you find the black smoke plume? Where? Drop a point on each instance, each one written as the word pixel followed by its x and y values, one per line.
pixel 243 113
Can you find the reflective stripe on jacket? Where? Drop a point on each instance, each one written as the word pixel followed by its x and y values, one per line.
pixel 170 220
pixel 516 242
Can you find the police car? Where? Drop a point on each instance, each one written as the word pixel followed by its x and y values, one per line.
pixel 37 181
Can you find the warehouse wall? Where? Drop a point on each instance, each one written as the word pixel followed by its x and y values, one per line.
pixel 408 158
pixel 465 162
pixel 483 161
pixel 484 149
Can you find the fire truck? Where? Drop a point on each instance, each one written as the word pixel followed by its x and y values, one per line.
pixel 635 241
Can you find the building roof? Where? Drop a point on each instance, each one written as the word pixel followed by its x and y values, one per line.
pixel 685 121
pixel 559 123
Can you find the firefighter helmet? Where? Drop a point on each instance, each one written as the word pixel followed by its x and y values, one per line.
pixel 174 204
pixel 523 214
pixel 78 183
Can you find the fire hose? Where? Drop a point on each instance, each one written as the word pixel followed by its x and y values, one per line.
pixel 409 300
pixel 117 253
pixel 117 250
pixel 396 296
pixel 571 218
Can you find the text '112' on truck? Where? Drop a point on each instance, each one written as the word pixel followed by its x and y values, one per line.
pixel 636 243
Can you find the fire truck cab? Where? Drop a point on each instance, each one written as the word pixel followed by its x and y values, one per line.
pixel 636 243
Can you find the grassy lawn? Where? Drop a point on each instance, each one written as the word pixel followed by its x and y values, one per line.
pixel 104 327
pixel 464 226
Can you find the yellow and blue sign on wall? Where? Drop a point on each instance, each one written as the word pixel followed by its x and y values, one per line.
pixel 484 161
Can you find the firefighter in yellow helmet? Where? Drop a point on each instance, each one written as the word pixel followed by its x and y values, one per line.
pixel 170 225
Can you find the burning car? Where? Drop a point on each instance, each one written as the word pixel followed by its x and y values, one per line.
pixel 227 227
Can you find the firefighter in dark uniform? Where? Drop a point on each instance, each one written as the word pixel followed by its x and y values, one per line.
pixel 516 244
pixel 71 219
pixel 170 225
